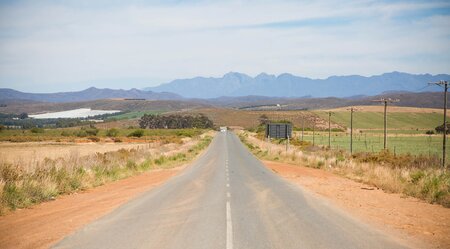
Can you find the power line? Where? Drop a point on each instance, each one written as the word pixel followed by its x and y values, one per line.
pixel 445 85
pixel 386 101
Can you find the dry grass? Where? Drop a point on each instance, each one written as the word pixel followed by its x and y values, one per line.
pixel 29 152
pixel 419 177
pixel 250 119
pixel 23 185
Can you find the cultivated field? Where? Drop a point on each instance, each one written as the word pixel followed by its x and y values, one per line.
pixel 29 152
pixel 251 119
pixel 399 118
pixel 415 144
pixel 105 132
pixel 407 129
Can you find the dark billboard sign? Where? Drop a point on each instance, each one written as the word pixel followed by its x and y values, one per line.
pixel 279 130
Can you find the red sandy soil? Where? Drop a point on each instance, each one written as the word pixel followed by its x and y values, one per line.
pixel 424 225
pixel 45 224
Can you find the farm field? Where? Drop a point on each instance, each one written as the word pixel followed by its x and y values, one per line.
pixel 429 145
pixel 133 115
pixel 29 152
pixel 399 118
pixel 406 130
pixel 84 134
pixel 251 119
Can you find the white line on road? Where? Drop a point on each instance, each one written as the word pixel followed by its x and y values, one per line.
pixel 228 185
pixel 229 228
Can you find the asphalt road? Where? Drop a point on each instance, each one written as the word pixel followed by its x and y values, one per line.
pixel 227 199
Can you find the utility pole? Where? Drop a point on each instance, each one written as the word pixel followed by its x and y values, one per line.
pixel 329 129
pixel 385 101
pixel 352 110
pixel 287 145
pixel 303 126
pixel 314 130
pixel 445 85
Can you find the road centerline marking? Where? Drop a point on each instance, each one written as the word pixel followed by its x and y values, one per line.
pixel 229 243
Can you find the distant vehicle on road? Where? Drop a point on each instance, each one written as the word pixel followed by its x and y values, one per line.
pixel 223 129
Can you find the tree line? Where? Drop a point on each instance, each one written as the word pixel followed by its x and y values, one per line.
pixel 152 121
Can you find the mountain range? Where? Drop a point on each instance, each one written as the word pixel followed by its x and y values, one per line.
pixel 287 85
pixel 241 88
pixel 86 95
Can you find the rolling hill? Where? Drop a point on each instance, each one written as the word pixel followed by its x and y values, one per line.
pixel 104 104
pixel 86 95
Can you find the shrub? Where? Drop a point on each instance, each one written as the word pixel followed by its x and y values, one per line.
pixel 429 132
pixel 65 134
pixel 160 160
pixel 113 132
pixel 94 139
pixel 136 133
pixel 117 140
pixel 440 128
pixel 37 130
pixel 81 133
pixel 91 131
pixel 416 176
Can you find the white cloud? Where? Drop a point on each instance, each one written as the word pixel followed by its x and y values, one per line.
pixel 46 47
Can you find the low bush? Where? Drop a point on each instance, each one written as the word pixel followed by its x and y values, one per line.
pixel 136 133
pixel 66 134
pixel 37 130
pixel 91 131
pixel 94 139
pixel 81 133
pixel 113 132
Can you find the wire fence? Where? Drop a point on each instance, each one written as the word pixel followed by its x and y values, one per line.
pixel 429 145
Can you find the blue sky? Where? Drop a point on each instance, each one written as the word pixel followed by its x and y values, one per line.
pixel 48 46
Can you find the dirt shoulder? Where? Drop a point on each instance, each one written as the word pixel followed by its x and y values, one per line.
pixel 424 225
pixel 45 224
